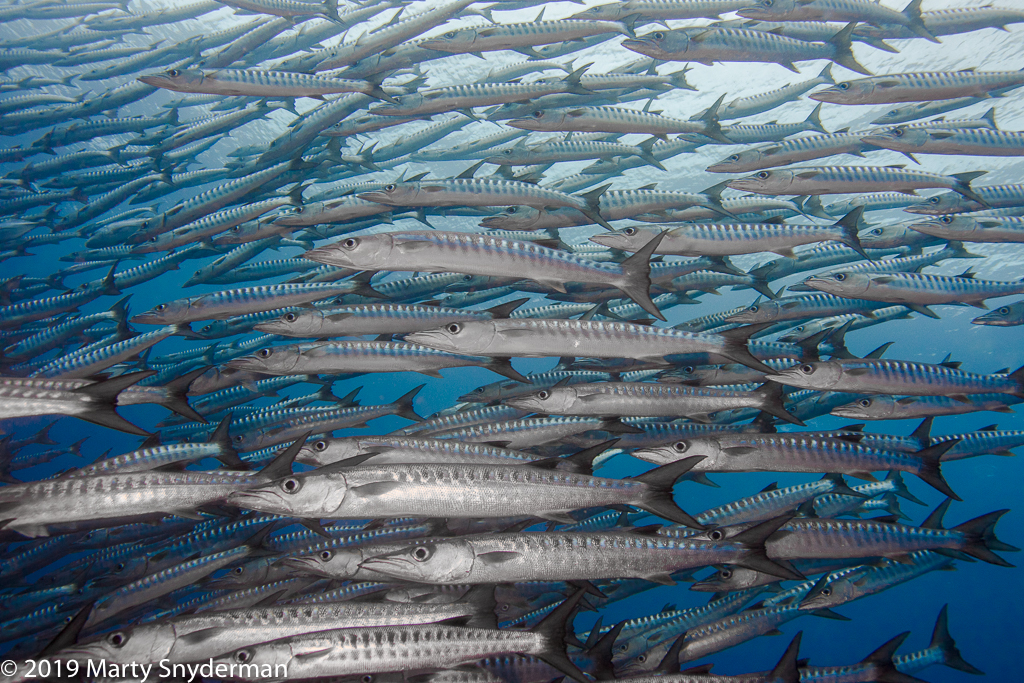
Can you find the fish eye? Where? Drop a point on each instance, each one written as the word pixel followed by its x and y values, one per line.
pixel 206 328
pixel 537 114
pixel 716 535
pixel 450 34
pixel 734 157
pixel 641 658
pixel 893 112
pixel 238 570
pixel 725 574
pixel 161 307
pixel 1004 311
pixel 843 86
pixel 689 369
pixel 658 35
pixel 767 3
pixel 507 152
pixel 291 485
pixel 326 555
pixel 453 328
pixel 933 200
pixel 117 639
pixel 826 592
pixel 946 219
pixel 629 231
pixel 897 132
pixel 243 656
pixel 511 209
pixel 290 317
pixel 624 647
pixel 543 395
pixel 368 678
pixel 807 368
pixel 350 243
pixel 680 446
pixel 320 446
pixel 839 277
pixel 505 607
pixel 876 231
pixel 421 554
pixel 754 309
pixel 298 209
pixel 389 188
pixel 864 402
pixel 173 73
pixel 119 567
pixel 264 353
pixel 763 175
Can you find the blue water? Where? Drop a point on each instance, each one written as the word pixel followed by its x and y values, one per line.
pixel 985 601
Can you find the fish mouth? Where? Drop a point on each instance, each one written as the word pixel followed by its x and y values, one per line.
pixel 824 96
pixel 375 196
pixel 878 137
pixel 155 81
pixel 637 44
pixel 433 340
pixel 382 565
pixel 749 184
pixel 443 46
pixel 850 413
pixel 521 404
pixel 754 13
pixel 328 256
pixel 304 564
pixel 261 501
pixel 608 239
pixel 247 363
pixel 147 319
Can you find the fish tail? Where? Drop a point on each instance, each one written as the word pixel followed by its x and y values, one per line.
pixel 843 50
pixel 771 397
pixel 980 538
pixel 849 227
pixel 175 396
pixel 826 74
pixel 554 630
pixel 900 487
pixel 735 347
pixel 1018 377
pixel 756 555
pixel 930 471
pixel 403 405
pixel 104 395
pixel 658 498
pixel 915 23
pixel 636 277
pixel 228 456
pixel 943 642
pixel 814 118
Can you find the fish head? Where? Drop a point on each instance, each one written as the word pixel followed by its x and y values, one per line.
pixel 731 578
pixel 846 92
pixel 660 44
pixel 947 202
pixel 896 115
pixel 602 167
pixel 269 654
pixel 626 239
pixel 311 494
pixel 365 252
pixel 144 643
pixel 899 138
pixel 885 236
pixel 679 449
pixel 761 312
pixel 1004 316
pixel 461 40
pixel 833 590
pixel 645 662
pixel 770 10
pixel 171 312
pixel 553 401
pixel 514 218
pixel 608 12
pixel 329 450
pixel 472 283
pixel 775 181
pixel 870 408
pixel 843 283
pixel 410 103
pixel 509 156
pixel 294 324
pixel 485 394
pixel 300 215
pixel 182 80
pixel 808 329
pixel 270 360
pixel 471 337
pixel 448 561
pixel 252 572
pixel 540 119
pixel 335 563
pixel 736 162
pixel 821 375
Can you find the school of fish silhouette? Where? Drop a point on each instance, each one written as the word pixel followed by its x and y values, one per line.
pixel 457 186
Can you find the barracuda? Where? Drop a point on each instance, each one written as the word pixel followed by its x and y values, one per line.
pixel 910 407
pixel 973 141
pixel 516 36
pixel 919 87
pixel 708 45
pixel 33 508
pixel 798 453
pixel 554 152
pixel 461 490
pixel 483 255
pixel 974 228
pixel 252 83
pixel 232 302
pixel 796 150
pixel 916 291
pixel 649 399
pixel 850 179
pixel 730 239
pixel 841 11
pixel 619 120
pixel 774 501
pixel 512 557
pixel 590 338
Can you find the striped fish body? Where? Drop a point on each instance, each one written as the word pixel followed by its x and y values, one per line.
pixel 865 581
pixel 335 211
pixel 463 418
pixel 745 238
pixel 454 98
pixel 803 307
pixel 880 376
pixel 915 289
pixel 254 83
pixel 350 321
pixel 767 504
pixel 525 433
pixel 917 407
pixel 389 450
pixel 654 10
pixel 974 141
pixel 973 444
pixel 606 119
pixel 919 87
pixel 37 505
pixel 513 36
pixel 974 228
pixel 793 151
pixel 994 196
pixel 233 302
pixel 493 393
pixel 762 102
pixel 831 10
pixel 845 180
pixel 149 458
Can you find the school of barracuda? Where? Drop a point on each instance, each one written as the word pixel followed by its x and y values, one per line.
pixel 413 163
